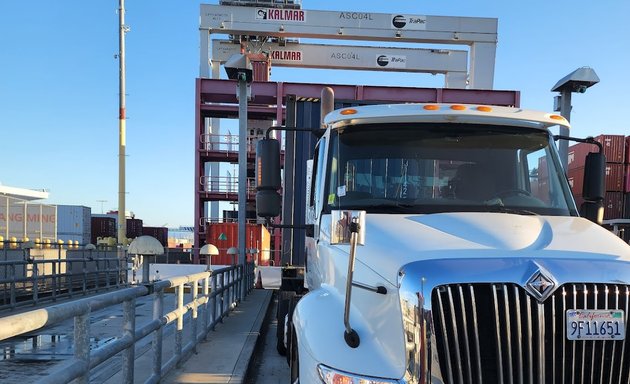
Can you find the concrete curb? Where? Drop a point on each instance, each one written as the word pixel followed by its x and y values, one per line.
pixel 244 359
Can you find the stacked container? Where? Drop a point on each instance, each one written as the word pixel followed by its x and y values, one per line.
pixel 74 223
pixel 616 178
pixel 103 226
pixel 225 236
pixel 159 233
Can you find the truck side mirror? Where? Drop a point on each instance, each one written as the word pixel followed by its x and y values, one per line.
pixel 594 189
pixel 594 171
pixel 268 178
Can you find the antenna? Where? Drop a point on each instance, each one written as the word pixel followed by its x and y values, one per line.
pixel 102 203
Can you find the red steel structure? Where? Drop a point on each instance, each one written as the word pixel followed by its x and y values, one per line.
pixel 216 98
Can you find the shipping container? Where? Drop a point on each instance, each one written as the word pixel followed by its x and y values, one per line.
pixel 225 236
pixel 159 233
pixel 614 147
pixel 613 205
pixel 74 222
pixel 23 219
pixel 626 178
pixel 613 178
pixel 134 228
pixel 577 154
pixel 103 226
pixel 80 239
pixel 626 206
pixel 543 171
pixel 627 150
pixel 576 180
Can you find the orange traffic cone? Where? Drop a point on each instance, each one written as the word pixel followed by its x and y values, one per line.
pixel 259 282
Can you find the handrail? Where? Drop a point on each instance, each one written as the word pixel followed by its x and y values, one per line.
pixel 221 291
pixel 35 280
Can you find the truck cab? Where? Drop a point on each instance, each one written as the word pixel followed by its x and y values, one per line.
pixel 446 247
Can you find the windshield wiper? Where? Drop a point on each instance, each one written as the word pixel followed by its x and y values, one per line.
pixel 516 211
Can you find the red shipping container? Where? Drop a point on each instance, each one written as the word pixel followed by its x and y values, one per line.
pixel 225 236
pixel 576 180
pixel 159 233
pixel 614 147
pixel 628 149
pixel 134 228
pixel 613 178
pixel 613 205
pixel 626 188
pixel 103 227
pixel 577 154
pixel 626 206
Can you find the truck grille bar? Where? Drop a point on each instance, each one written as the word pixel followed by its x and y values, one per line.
pixel 498 333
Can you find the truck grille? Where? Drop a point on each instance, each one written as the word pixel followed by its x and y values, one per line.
pixel 498 333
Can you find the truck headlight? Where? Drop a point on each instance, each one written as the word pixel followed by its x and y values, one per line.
pixel 332 376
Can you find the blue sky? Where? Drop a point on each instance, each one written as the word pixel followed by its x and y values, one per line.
pixel 59 87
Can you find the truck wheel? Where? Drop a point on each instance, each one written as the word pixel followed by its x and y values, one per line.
pixel 284 300
pixel 292 303
pixel 294 360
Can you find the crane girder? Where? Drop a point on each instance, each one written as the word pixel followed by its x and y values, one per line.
pixel 480 34
pixel 452 63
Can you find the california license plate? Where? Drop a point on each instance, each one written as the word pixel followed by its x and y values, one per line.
pixel 596 324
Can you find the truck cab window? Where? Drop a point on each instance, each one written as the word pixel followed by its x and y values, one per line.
pixel 425 168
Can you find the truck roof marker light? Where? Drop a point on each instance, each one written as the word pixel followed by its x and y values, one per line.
pixel 556 117
pixel 458 107
pixel 431 107
pixel 484 108
pixel 349 111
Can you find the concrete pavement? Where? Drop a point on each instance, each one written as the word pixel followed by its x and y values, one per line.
pixel 225 356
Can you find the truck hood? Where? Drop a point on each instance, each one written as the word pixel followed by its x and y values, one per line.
pixel 392 241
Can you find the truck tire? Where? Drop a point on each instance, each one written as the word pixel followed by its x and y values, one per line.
pixel 290 330
pixel 284 300
pixel 294 359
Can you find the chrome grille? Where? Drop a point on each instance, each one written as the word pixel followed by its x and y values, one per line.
pixel 498 333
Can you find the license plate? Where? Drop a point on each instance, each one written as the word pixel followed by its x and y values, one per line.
pixel 596 324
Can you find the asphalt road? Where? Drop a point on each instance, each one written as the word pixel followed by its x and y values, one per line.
pixel 268 367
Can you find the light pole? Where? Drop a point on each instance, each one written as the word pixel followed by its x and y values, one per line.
pixel 122 128
pixel 577 81
pixel 239 68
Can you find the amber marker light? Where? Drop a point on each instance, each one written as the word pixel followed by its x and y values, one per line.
pixel 484 108
pixel 349 111
pixel 458 107
pixel 556 117
pixel 431 107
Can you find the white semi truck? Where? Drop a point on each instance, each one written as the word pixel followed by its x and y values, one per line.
pixel 444 246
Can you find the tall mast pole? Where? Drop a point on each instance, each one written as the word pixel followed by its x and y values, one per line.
pixel 122 134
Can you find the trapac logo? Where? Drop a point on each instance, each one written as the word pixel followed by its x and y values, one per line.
pixel 279 14
pixel 382 61
pixel 399 21
pixel 391 61
pixel 412 22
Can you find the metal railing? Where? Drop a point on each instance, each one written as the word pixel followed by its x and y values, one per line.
pixel 225 143
pixel 226 184
pixel 31 277
pixel 220 292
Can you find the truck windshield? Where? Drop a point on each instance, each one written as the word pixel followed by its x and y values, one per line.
pixel 430 168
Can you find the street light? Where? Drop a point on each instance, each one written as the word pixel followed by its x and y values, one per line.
pixel 577 81
pixel 239 68
pixel 209 250
pixel 145 246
